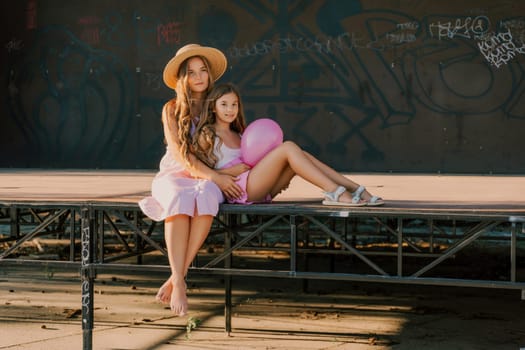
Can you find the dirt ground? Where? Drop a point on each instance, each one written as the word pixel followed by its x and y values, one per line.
pixel 44 313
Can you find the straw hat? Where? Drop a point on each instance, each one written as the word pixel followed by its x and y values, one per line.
pixel 215 58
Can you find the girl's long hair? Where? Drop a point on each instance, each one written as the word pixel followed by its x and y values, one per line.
pixel 179 109
pixel 204 138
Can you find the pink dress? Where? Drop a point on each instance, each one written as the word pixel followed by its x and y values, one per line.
pixel 174 191
pixel 228 157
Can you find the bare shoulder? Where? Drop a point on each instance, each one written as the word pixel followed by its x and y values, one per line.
pixel 168 109
pixel 169 106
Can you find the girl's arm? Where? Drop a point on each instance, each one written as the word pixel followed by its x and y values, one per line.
pixel 198 169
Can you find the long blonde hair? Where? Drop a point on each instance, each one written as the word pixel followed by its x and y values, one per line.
pixel 204 138
pixel 179 109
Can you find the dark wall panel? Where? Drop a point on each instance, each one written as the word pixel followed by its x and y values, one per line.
pixel 402 86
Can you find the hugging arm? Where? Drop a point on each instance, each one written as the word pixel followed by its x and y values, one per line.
pixel 198 169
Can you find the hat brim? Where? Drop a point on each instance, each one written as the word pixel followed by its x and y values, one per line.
pixel 216 59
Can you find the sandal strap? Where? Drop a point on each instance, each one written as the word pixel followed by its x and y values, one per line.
pixel 356 196
pixel 374 199
pixel 334 196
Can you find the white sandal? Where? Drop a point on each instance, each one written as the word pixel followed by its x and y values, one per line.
pixel 374 201
pixel 332 198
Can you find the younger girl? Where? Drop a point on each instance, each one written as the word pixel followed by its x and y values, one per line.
pixel 217 143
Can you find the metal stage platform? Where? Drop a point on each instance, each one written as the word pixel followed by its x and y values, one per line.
pixel 418 237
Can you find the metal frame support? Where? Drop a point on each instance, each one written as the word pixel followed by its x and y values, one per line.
pixel 15 224
pixel 45 223
pixel 228 278
pixel 293 245
pixel 87 276
pixel 513 252
pixel 400 247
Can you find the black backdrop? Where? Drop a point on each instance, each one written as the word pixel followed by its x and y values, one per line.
pixel 367 86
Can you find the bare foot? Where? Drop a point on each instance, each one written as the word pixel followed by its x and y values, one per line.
pixel 164 293
pixel 179 300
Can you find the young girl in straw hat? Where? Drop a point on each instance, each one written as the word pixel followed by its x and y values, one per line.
pixel 186 193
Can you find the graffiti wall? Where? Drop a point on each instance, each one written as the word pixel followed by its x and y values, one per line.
pixel 367 86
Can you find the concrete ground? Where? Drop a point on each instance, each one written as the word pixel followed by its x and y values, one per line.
pixel 44 313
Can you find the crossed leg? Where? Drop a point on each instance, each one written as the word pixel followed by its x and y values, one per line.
pixel 184 236
pixel 278 167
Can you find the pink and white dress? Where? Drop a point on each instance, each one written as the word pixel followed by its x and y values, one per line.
pixel 227 157
pixel 174 191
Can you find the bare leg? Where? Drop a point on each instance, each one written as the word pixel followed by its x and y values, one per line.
pixel 337 177
pixel 266 175
pixel 283 182
pixel 176 234
pixel 199 227
pixel 172 226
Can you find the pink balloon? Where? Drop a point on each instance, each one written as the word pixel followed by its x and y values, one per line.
pixel 259 138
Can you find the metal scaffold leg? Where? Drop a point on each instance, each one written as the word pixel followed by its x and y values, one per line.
pixel 87 279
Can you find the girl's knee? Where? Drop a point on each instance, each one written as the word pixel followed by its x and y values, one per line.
pixel 289 145
pixel 176 219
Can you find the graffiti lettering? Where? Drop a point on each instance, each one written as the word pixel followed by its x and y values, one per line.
pixel 14 45
pixel 90 29
pixel 85 297
pixel 344 41
pixel 498 49
pixel 468 28
pixel 85 245
pixel 408 25
pixel 517 26
pixel 401 38
pixel 169 33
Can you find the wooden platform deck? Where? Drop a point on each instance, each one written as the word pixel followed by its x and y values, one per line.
pixel 424 194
